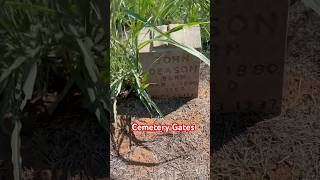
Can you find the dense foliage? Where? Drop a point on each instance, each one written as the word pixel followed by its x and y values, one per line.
pixel 50 47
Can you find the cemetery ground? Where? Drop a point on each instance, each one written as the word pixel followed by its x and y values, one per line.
pixel 171 155
pixel 287 146
pixel 248 146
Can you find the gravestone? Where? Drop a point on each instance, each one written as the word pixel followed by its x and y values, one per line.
pixel 171 71
pixel 249 45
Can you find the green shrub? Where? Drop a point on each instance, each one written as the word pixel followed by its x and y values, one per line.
pixel 41 38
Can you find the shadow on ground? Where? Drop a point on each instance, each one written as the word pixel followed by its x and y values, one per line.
pixel 126 132
pixel 227 126
pixel 133 106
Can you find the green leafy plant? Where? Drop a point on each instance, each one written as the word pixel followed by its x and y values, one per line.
pixel 128 18
pixel 313 4
pixel 41 38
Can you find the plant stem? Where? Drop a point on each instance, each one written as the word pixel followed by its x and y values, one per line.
pixel 15 146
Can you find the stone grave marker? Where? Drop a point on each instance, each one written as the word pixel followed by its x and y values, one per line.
pixel 249 47
pixel 172 72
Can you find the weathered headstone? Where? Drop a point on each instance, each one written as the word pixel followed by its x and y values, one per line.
pixel 249 43
pixel 172 72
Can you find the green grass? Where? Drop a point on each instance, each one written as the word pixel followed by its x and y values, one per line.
pixel 128 18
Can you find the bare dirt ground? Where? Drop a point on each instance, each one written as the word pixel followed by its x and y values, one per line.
pixel 288 146
pixel 172 155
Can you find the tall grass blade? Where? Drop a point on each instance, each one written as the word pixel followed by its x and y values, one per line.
pixel 29 84
pixel 169 40
pixel 15 147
